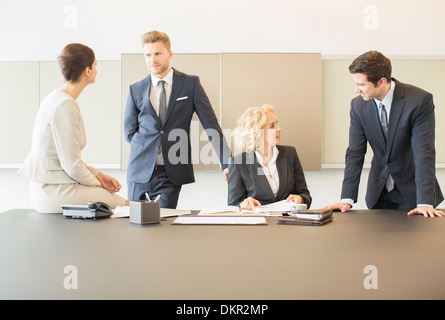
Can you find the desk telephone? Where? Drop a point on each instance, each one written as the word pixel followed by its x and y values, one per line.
pixel 92 210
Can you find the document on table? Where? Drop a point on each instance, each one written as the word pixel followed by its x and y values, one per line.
pixel 282 206
pixel 121 212
pixel 167 213
pixel 219 220
pixel 124 212
pixel 272 209
pixel 229 210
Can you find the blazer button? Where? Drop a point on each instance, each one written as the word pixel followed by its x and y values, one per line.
pixel 389 163
pixel 162 132
pixel 157 148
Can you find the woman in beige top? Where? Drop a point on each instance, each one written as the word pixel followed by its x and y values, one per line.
pixel 54 165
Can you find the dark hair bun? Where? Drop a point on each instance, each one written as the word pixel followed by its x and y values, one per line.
pixel 74 59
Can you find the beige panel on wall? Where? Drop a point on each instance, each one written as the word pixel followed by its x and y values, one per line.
pixel 133 69
pixel 100 107
pixel 19 102
pixel 207 67
pixel 289 82
pixel 338 90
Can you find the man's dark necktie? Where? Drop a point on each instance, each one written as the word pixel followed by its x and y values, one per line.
pixel 162 102
pixel 384 120
pixel 384 123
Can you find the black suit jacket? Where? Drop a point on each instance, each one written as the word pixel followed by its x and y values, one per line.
pixel 246 178
pixel 409 154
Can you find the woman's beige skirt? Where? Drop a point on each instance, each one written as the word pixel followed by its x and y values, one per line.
pixel 48 198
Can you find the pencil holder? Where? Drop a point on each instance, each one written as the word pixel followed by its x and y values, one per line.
pixel 145 212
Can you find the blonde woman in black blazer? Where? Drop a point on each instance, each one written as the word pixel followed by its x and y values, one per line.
pixel 264 172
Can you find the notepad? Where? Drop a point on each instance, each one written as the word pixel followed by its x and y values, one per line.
pixel 219 220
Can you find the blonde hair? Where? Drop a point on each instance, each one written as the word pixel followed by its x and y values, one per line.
pixel 153 36
pixel 247 132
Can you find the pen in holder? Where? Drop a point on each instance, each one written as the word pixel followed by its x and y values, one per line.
pixel 145 212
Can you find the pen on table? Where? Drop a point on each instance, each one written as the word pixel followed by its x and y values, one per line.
pixel 148 197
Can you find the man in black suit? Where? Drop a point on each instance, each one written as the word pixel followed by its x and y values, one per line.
pixel 398 121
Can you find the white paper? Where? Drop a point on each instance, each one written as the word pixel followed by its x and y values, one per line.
pixel 272 209
pixel 166 212
pixel 282 206
pixel 220 220
pixel 221 210
pixel 121 212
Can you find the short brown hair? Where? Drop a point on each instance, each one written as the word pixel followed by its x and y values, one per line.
pixel 153 36
pixel 374 65
pixel 74 59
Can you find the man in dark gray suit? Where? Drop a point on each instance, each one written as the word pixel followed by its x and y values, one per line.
pixel 398 121
pixel 157 125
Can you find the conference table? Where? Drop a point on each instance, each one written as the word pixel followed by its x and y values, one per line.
pixel 362 254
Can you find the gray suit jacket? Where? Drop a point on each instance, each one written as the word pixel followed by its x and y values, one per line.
pixel 246 178
pixel 409 154
pixel 144 131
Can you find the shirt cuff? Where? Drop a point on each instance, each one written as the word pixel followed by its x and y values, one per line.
pixel 348 201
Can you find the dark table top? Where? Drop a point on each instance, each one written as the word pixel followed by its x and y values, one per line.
pixel 115 259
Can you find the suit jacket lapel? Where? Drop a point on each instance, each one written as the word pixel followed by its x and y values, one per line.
pixel 282 172
pixel 256 172
pixel 146 99
pixel 398 102
pixel 178 81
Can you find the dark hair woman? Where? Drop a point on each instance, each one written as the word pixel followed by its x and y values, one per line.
pixel 54 165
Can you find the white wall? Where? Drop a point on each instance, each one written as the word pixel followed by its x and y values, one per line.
pixel 38 30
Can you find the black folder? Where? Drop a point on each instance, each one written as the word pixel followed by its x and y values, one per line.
pixel 308 218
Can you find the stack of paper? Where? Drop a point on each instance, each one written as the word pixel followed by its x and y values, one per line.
pixel 308 217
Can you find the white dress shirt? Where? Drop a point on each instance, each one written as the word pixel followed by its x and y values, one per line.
pixel 387 101
pixel 155 91
pixel 270 171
